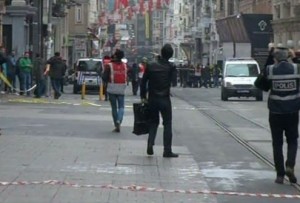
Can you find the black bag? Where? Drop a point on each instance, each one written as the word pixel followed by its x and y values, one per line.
pixel 262 83
pixel 141 124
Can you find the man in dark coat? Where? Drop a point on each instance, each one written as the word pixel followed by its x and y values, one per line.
pixel 38 74
pixel 56 68
pixel 156 83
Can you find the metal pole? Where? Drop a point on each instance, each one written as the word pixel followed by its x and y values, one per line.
pixel 212 31
pixel 164 26
pixel 2 11
pixel 49 42
pixel 49 29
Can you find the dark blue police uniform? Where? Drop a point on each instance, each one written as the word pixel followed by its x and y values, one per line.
pixel 283 104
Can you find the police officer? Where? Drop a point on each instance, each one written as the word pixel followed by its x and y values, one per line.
pixel 284 99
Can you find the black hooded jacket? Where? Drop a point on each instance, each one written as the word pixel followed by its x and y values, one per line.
pixel 157 79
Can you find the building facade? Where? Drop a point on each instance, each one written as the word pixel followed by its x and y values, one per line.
pixel 286 22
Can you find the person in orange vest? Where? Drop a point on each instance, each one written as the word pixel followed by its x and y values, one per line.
pixel 116 76
pixel 106 61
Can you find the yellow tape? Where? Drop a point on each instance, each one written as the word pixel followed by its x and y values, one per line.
pixel 5 80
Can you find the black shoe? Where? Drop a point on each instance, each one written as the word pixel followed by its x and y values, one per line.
pixel 150 150
pixel 290 174
pixel 117 129
pixel 279 179
pixel 170 155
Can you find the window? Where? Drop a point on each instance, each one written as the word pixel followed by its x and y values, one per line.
pixel 221 5
pixel 90 65
pixel 286 10
pixel 241 70
pixel 277 12
pixel 78 14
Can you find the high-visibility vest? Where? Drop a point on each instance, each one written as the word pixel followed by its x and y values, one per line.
pixel 118 73
pixel 284 94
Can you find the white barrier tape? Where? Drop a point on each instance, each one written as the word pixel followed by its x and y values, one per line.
pixel 44 101
pixel 137 188
pixel 6 81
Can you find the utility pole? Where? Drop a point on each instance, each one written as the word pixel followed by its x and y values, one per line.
pixel 212 31
pixel 2 11
pixel 49 29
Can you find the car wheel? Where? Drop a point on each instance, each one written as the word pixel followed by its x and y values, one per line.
pixel 224 96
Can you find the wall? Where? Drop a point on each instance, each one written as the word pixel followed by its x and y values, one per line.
pixel 242 50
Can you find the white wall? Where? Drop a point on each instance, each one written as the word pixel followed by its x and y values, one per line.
pixel 242 50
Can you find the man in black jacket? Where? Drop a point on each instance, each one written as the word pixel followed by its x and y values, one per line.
pixel 156 82
pixel 56 68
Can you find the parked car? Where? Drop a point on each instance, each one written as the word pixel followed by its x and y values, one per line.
pixel 87 70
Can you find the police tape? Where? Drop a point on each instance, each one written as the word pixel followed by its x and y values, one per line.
pixel 47 101
pixel 6 81
pixel 137 188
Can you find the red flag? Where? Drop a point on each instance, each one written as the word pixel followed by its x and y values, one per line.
pixel 150 5
pixel 142 7
pixel 158 4
pixel 125 3
pixel 117 4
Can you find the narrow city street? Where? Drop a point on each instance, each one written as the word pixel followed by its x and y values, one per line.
pixel 65 151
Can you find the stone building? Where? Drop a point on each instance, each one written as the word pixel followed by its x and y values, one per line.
pixel 255 6
pixel 286 22
pixel 245 28
pixel 226 8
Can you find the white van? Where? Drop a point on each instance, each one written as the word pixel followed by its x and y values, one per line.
pixel 238 79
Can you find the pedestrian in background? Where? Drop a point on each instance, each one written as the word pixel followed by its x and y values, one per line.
pixel 62 81
pixel 206 76
pixel 106 61
pixel 294 55
pixel 12 65
pixel 26 72
pixel 198 76
pixel 55 68
pixel 156 83
pixel 134 78
pixel 216 75
pixel 116 76
pixel 39 77
pixel 142 67
pixel 283 79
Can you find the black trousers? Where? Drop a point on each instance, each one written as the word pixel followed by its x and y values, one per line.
pixel 135 87
pixel 160 105
pixel 287 124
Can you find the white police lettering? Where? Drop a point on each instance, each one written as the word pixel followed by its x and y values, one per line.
pixel 284 85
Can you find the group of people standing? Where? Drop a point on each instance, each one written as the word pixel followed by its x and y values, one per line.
pixel 16 69
pixel 199 75
pixel 27 72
